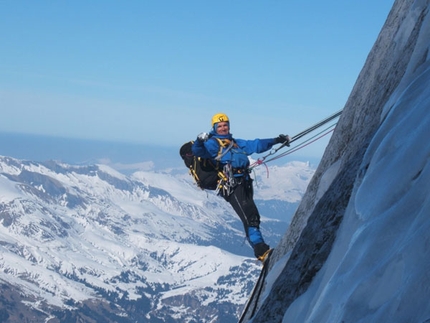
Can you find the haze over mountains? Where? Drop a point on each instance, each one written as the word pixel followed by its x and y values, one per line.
pixel 123 156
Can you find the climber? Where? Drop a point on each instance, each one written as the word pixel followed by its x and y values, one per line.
pixel 231 156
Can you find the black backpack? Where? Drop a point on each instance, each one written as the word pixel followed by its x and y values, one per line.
pixel 204 172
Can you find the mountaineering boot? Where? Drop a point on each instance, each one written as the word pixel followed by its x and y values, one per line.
pixel 261 250
pixel 264 257
pixel 256 241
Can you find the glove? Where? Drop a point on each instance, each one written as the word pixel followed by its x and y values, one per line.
pixel 283 139
pixel 203 136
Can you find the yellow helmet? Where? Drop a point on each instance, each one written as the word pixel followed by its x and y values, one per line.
pixel 219 117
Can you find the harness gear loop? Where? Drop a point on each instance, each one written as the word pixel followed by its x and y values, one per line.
pixel 228 181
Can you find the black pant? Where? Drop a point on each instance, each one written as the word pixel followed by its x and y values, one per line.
pixel 242 201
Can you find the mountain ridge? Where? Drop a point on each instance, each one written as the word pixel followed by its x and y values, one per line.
pixel 72 236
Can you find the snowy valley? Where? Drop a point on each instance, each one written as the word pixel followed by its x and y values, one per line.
pixel 88 242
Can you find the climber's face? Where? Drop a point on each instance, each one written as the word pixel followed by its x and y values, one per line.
pixel 222 128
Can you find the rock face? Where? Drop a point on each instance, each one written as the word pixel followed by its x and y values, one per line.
pixel 345 255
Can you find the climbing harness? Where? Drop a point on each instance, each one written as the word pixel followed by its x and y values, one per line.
pixel 227 182
pixel 305 143
pixel 227 179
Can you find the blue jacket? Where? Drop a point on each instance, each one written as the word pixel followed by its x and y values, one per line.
pixel 237 155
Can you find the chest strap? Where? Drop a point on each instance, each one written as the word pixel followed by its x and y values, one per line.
pixel 224 148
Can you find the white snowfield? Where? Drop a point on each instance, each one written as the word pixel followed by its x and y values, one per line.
pixel 67 232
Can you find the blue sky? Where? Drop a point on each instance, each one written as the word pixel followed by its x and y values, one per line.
pixel 156 71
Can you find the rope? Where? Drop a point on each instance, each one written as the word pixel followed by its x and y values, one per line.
pixel 316 126
pixel 298 136
pixel 305 143
pixel 312 128
pixel 256 292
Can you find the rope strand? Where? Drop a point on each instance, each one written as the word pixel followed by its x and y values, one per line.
pixel 298 136
pixel 316 126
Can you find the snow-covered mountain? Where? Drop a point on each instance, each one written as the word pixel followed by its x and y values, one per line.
pixel 357 249
pixel 90 244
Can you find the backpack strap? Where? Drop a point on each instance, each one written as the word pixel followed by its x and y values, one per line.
pixel 198 166
pixel 227 144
